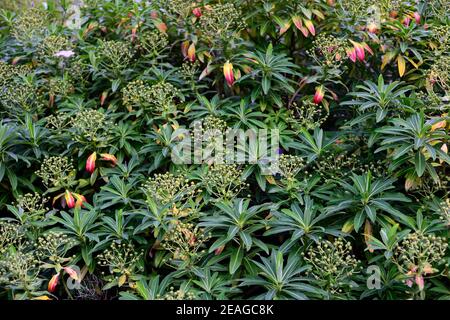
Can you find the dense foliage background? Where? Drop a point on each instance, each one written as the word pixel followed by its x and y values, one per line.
pixel 93 101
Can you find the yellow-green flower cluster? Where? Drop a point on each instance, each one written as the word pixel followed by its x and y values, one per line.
pixel 220 21
pixel 177 295
pixel 328 50
pixel 11 233
pixel 91 125
pixel 289 165
pixel 332 264
pixel 153 42
pixel 122 260
pixel 168 188
pixel 53 247
pixel 30 25
pixel 184 241
pixel 223 181
pixel 56 171
pixel 51 45
pixel 116 55
pixel 307 116
pixel 420 253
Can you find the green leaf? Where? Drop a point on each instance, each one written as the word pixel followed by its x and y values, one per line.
pixel 420 163
pixel 236 259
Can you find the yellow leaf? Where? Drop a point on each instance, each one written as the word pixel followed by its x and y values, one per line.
pixel 42 298
pixel 348 226
pixel 438 125
pixel 368 234
pixel 270 179
pixel 122 280
pixel 386 59
pixel 401 65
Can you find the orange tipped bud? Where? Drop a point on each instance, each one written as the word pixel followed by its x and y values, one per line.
pixel 109 157
pixel 103 97
pixel 191 53
pixel 219 250
pixel 184 48
pixel 70 201
pixel 161 26
pixel 318 96
pixel 309 25
pixel 53 283
pixel 90 163
pixel 197 12
pixel 228 73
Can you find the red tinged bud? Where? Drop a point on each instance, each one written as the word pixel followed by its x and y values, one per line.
pixel 197 12
pixel 219 250
pixel 318 96
pixel 103 97
pixel 108 157
pixel 406 21
pixel 80 200
pixel 191 52
pixel 297 22
pixel 416 16
pixel 70 201
pixel 90 163
pixel 358 51
pixel 228 73
pixel 53 283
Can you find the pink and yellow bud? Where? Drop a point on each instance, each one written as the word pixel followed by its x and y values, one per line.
pixel 351 53
pixel 309 25
pixel 71 272
pixel 406 21
pixel 80 200
pixel 297 22
pixel 90 163
pixel 68 197
pixel 416 17
pixel 318 96
pixel 228 73
pixel 53 283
